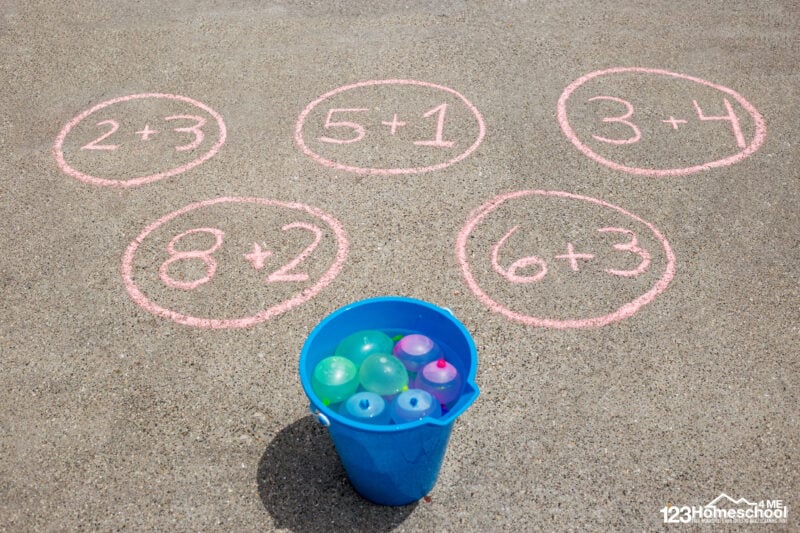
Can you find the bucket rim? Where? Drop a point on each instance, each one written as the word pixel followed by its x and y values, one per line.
pixel 471 390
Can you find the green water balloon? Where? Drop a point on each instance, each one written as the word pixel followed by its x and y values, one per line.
pixel 334 379
pixel 362 344
pixel 383 374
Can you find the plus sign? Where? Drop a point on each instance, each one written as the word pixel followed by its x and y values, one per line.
pixel 146 132
pixel 572 257
pixel 393 124
pixel 257 256
pixel 674 121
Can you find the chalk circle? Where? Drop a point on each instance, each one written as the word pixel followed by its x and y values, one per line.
pixel 305 295
pixel 622 312
pixel 563 120
pixel 298 131
pixel 58 147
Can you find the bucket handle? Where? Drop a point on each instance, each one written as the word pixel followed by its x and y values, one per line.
pixel 321 418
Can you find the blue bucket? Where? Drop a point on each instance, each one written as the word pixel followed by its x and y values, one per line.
pixel 392 464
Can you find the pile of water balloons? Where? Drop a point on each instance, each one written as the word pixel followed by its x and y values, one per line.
pixel 377 381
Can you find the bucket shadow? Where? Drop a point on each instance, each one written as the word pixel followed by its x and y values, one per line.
pixel 303 485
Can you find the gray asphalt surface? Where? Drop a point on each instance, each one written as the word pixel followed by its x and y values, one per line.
pixel 133 406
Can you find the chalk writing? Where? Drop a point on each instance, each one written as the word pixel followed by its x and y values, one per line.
pixel 349 126
pixel 286 274
pixel 95 144
pixel 674 122
pixel 622 119
pixel 631 246
pixel 360 131
pixel 393 125
pixel 571 257
pixel 637 133
pixel 438 142
pixel 195 128
pixel 632 132
pixel 510 273
pixel 731 117
pixel 146 132
pixel 258 256
pixel 204 255
pixel 532 270
pixel 283 273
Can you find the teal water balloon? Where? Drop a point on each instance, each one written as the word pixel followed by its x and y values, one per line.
pixel 366 407
pixel 414 404
pixel 334 379
pixel 383 374
pixel 362 344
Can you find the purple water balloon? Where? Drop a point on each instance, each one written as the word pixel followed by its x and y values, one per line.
pixel 416 351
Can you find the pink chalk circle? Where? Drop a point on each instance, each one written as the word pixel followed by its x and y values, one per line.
pixel 758 137
pixel 625 311
pixel 58 147
pixel 305 295
pixel 298 132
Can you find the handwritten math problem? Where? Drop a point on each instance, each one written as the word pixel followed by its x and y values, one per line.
pixel 636 133
pixel 425 126
pixel 137 139
pixel 571 258
pixel 195 130
pixel 359 131
pixel 615 117
pixel 394 127
pixel 166 258
pixel 257 257
pixel 623 252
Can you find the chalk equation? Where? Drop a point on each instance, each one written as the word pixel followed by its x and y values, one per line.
pixel 571 257
pixel 389 127
pixel 138 139
pixel 629 118
pixel 359 131
pixel 257 257
pixel 567 267
pixel 111 125
pixel 173 268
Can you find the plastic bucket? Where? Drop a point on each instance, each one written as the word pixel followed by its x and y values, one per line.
pixel 391 464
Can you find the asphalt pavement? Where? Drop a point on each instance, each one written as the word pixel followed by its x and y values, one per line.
pixel 606 195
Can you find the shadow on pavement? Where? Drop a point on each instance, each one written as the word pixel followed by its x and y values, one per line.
pixel 304 486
